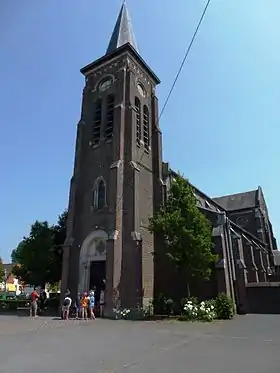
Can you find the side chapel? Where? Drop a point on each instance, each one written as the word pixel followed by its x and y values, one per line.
pixel 119 180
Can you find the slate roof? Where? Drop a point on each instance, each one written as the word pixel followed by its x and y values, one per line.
pixel 238 201
pixel 123 32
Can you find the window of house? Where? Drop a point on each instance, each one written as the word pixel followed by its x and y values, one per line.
pixel 110 117
pixel 146 124
pixel 97 123
pixel 138 120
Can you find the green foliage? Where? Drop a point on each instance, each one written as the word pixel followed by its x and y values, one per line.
pixel 2 271
pixel 38 257
pixel 13 304
pixel 224 307
pixel 203 311
pixel 187 232
pixel 54 288
pixel 163 305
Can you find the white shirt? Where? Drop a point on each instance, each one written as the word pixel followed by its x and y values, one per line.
pixel 69 300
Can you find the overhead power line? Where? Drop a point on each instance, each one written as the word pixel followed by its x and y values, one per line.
pixel 177 76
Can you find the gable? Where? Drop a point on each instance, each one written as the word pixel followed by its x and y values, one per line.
pixel 238 201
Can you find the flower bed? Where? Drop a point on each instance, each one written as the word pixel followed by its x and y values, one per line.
pixel 221 308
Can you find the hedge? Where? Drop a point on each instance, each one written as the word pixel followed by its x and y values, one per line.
pixel 14 304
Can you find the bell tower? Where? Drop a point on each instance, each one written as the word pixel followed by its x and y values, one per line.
pixel 116 184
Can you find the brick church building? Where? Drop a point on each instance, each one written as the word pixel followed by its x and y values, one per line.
pixel 119 181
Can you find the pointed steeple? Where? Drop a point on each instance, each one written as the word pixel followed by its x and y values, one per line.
pixel 123 32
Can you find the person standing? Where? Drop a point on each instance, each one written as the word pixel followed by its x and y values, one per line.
pixel 34 305
pixel 66 306
pixel 77 306
pixel 91 304
pixel 84 306
pixel 101 303
pixel 42 301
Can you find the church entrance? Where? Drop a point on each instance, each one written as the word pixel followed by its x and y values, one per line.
pixel 93 262
pixel 97 277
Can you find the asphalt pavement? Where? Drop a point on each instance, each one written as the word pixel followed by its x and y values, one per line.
pixel 248 344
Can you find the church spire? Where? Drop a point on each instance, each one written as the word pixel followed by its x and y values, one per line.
pixel 123 32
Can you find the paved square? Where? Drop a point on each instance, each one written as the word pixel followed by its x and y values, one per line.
pixel 246 344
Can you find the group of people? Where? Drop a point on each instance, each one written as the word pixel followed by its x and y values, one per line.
pixel 37 302
pixel 85 305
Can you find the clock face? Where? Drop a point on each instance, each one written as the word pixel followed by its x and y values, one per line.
pixel 242 221
pixel 105 84
pixel 141 90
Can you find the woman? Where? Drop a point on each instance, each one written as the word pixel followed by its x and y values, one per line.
pixel 84 306
pixel 91 304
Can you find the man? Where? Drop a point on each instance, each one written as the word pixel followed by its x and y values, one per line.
pixel 42 301
pixel 33 305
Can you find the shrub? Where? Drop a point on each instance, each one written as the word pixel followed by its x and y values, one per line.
pixel 13 304
pixel 144 312
pixel 194 311
pixel 121 313
pixel 163 305
pixel 224 307
pixel 206 311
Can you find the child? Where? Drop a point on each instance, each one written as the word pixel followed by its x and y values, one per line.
pixel 91 304
pixel 84 305
pixel 101 303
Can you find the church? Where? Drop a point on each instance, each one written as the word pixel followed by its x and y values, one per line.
pixel 119 180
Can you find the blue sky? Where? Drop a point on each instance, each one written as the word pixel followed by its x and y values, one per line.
pixel 220 127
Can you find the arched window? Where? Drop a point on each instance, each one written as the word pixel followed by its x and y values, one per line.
pixel 138 120
pixel 101 200
pixel 99 194
pixel 110 117
pixel 146 128
pixel 97 122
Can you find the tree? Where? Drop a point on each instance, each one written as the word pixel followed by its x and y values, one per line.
pixel 38 257
pixel 2 271
pixel 187 233
pixel 55 259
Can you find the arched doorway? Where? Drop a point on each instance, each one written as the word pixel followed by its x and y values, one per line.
pixel 92 266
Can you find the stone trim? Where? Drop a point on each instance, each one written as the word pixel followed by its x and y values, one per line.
pixel 136 236
pixel 113 235
pixel 119 106
pixel 134 165
pixel 116 164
